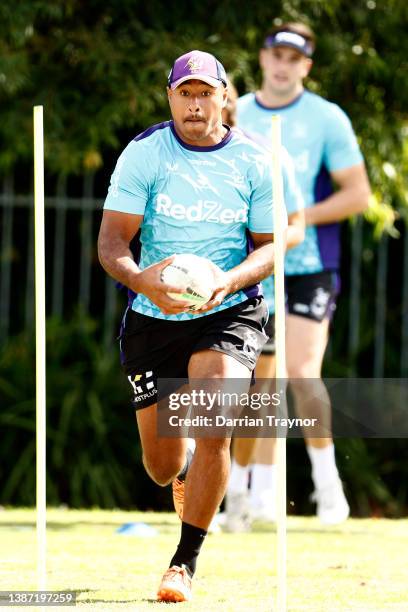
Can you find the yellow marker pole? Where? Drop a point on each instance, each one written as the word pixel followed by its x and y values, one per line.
pixel 39 262
pixel 279 213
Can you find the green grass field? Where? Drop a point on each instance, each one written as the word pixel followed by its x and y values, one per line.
pixel 361 565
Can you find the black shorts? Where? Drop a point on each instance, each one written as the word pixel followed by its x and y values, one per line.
pixel 312 296
pixel 269 346
pixel 158 348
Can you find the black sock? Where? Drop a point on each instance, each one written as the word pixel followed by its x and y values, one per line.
pixel 189 456
pixel 189 547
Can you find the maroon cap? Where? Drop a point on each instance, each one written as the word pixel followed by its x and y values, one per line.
pixel 197 65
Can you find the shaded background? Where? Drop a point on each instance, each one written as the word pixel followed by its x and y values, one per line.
pixel 100 69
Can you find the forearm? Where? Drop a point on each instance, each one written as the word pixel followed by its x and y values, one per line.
pixel 258 265
pixel 337 207
pixel 117 260
pixel 295 234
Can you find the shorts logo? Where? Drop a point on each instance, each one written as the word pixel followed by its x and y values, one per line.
pixel 250 346
pixel 320 301
pixel 203 210
pixel 142 386
pixel 303 308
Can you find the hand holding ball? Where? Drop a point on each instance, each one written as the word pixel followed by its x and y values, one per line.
pixel 194 275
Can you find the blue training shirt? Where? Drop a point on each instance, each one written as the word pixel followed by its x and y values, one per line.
pixel 200 200
pixel 293 203
pixel 319 137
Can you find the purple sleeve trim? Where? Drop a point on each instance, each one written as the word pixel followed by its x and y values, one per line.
pixel 252 290
pixel 328 236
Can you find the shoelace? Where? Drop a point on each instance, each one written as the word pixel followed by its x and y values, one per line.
pixel 174 571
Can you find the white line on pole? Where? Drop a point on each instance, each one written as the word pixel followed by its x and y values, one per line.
pixel 39 262
pixel 279 212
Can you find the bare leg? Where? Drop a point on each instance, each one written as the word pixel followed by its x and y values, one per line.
pixel 239 503
pixel 208 474
pixel 163 458
pixel 306 344
pixel 244 449
pixel 312 400
pixel 264 452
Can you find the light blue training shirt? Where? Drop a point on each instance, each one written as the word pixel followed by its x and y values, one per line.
pixel 293 203
pixel 319 138
pixel 200 200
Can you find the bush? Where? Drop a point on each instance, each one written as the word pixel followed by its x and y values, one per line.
pixel 93 451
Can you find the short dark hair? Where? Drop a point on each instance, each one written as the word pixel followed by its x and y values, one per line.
pixel 297 28
pixel 230 109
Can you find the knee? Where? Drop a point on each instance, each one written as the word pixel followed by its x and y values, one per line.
pixel 304 369
pixel 212 446
pixel 162 472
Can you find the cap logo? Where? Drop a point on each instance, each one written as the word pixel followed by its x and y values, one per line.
pixel 194 64
pixel 291 38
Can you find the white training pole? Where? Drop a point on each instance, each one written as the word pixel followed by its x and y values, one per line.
pixel 280 356
pixel 39 262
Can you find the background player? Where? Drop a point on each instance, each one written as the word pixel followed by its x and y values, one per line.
pixel 319 138
pixel 242 509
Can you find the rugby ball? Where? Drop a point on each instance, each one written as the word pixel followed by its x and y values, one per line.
pixel 194 275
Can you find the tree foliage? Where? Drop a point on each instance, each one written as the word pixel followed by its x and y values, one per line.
pixel 93 451
pixel 100 69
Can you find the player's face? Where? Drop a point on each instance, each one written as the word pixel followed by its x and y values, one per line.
pixel 284 69
pixel 196 109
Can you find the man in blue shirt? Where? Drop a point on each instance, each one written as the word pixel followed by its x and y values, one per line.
pixel 319 137
pixel 190 185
